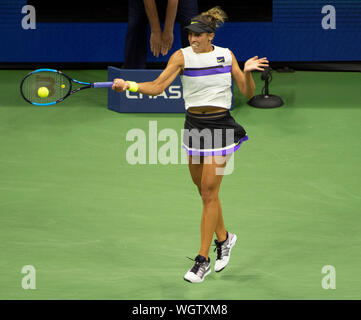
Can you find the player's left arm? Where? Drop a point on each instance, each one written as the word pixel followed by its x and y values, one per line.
pixel 244 79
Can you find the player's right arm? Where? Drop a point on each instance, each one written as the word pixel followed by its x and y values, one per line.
pixel 153 88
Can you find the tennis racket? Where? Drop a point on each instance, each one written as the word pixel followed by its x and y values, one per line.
pixel 55 85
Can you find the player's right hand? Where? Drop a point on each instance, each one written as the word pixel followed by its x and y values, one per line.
pixel 119 85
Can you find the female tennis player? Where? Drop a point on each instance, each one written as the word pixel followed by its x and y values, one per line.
pixel 211 134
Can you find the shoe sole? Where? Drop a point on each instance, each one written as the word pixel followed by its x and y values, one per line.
pixel 206 274
pixel 230 249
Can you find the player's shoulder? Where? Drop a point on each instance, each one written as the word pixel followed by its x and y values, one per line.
pixel 177 57
pixel 224 49
pixel 178 53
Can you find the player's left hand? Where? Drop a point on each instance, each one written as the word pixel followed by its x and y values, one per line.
pixel 255 64
pixel 119 85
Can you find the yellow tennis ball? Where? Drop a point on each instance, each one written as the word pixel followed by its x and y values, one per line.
pixel 43 92
pixel 63 86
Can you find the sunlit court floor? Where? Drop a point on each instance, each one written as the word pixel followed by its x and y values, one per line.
pixel 94 226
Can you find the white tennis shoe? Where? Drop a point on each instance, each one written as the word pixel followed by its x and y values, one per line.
pixel 224 251
pixel 199 271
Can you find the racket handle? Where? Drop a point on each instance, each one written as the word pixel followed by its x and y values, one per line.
pixel 102 84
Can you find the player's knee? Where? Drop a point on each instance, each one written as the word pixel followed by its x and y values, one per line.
pixel 209 193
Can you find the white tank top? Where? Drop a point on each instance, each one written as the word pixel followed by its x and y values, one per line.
pixel 207 78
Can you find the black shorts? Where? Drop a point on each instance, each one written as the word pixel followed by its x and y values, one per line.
pixel 212 134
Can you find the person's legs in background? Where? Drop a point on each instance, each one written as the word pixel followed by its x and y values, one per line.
pixel 136 43
pixel 187 9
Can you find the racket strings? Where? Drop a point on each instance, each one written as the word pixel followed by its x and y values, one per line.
pixel 57 84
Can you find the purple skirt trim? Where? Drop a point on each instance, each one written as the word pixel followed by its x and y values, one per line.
pixel 223 152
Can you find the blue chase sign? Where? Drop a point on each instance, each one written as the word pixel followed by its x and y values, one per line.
pixel 169 101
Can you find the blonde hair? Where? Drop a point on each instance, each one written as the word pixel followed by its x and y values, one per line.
pixel 214 17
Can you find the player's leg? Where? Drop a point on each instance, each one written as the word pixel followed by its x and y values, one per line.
pixel 211 181
pixel 224 243
pixel 201 267
pixel 221 232
pixel 195 165
pixel 195 168
pixel 210 185
pixel 207 177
